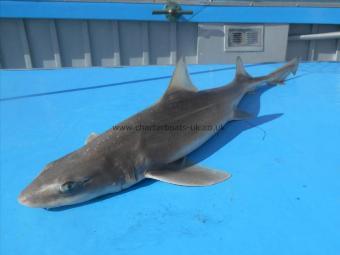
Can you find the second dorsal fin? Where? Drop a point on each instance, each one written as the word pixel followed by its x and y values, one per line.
pixel 240 70
pixel 180 79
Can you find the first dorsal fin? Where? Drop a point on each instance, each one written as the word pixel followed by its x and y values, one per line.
pixel 240 70
pixel 180 79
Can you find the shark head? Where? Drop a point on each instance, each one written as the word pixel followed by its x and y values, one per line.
pixel 70 180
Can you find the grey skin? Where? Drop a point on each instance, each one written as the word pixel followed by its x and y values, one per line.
pixel 156 146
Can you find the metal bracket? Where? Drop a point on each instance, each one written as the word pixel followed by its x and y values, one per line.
pixel 172 11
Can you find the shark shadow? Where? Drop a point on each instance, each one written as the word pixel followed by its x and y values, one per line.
pixel 250 103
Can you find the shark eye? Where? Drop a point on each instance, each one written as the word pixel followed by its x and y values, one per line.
pixel 68 187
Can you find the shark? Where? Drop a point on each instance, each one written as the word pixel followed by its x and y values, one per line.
pixel 153 143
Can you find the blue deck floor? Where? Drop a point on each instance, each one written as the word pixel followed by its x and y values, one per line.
pixel 283 197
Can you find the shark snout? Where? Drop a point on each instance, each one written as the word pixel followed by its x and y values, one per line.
pixel 24 199
pixel 29 196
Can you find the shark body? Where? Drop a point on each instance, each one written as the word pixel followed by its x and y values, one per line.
pixel 153 143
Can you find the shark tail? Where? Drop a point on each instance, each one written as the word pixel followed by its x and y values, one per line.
pixel 276 77
pixel 279 75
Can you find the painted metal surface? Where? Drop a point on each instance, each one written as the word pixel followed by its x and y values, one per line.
pixel 321 36
pixel 313 50
pixel 82 43
pixel 133 11
pixel 53 34
pixel 49 43
pixel 283 197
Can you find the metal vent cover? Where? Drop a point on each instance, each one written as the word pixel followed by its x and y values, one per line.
pixel 243 38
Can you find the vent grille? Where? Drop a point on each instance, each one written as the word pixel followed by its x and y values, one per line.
pixel 244 38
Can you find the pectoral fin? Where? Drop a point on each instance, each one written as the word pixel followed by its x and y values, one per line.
pixel 190 176
pixel 91 137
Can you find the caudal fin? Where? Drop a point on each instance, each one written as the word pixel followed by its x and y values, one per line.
pixel 275 77
pixel 278 76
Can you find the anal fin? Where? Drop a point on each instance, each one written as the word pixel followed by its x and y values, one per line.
pixel 242 115
pixel 189 176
